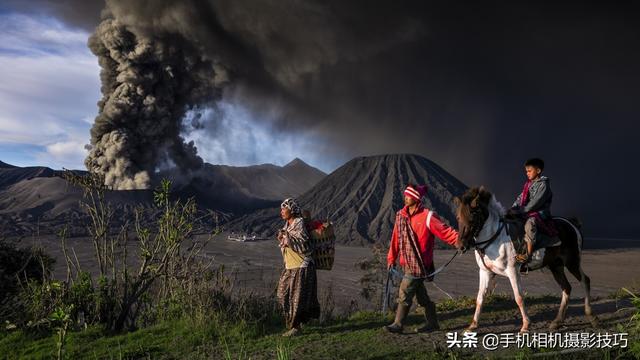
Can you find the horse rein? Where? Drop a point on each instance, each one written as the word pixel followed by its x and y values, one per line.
pixel 485 243
pixel 488 242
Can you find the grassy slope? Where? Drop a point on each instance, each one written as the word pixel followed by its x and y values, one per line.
pixel 359 336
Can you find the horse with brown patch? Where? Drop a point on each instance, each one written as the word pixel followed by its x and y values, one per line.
pixel 482 226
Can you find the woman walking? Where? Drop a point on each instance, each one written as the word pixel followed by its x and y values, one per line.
pixel 297 288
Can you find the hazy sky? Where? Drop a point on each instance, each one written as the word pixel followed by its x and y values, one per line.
pixel 476 88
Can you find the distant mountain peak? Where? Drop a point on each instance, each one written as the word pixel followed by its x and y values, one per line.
pixel 296 162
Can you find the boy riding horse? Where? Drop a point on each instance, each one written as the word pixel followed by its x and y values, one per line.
pixel 534 205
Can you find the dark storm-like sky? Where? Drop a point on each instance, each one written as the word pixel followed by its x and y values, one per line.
pixel 477 87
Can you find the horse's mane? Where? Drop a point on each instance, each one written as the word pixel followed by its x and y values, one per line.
pixel 496 207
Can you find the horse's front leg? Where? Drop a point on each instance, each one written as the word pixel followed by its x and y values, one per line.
pixel 514 279
pixel 483 287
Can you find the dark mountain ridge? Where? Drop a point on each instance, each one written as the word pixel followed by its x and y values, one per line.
pixel 362 196
pixel 39 199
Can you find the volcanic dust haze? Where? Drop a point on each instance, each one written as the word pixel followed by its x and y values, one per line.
pixel 475 87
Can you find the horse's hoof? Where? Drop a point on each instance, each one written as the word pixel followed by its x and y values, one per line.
pixel 554 325
pixel 524 331
pixel 594 321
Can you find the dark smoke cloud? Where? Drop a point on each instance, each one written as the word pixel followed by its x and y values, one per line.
pixel 162 58
pixel 474 86
pixel 148 84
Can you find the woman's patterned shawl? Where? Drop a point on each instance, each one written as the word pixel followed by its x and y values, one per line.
pixel 298 236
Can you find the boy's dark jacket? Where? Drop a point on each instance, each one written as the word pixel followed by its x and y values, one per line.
pixel 540 196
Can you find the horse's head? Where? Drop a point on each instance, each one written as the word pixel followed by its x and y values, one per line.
pixel 473 212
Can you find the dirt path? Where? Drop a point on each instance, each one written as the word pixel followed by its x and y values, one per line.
pixel 362 337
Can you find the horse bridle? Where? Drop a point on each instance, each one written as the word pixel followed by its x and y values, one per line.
pixel 482 245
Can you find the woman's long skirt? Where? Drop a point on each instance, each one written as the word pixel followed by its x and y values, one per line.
pixel 298 295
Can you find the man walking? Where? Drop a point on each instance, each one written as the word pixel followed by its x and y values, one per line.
pixel 413 241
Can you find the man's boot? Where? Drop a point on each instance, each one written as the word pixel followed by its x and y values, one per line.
pixel 401 314
pixel 431 319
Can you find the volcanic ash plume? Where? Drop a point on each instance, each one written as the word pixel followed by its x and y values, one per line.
pixel 148 84
pixel 161 58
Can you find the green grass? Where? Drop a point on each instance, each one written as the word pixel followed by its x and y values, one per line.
pixel 94 343
pixel 359 336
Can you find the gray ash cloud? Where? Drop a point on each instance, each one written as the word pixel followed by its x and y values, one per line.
pixel 149 82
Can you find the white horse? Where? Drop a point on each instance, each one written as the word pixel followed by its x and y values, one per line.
pixel 481 222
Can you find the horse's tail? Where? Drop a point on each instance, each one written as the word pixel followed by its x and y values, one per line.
pixel 576 225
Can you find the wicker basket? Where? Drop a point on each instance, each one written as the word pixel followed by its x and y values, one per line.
pixel 323 241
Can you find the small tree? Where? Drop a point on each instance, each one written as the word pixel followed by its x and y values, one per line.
pixel 61 318
pixel 165 251
pixel 159 250
pixel 100 213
